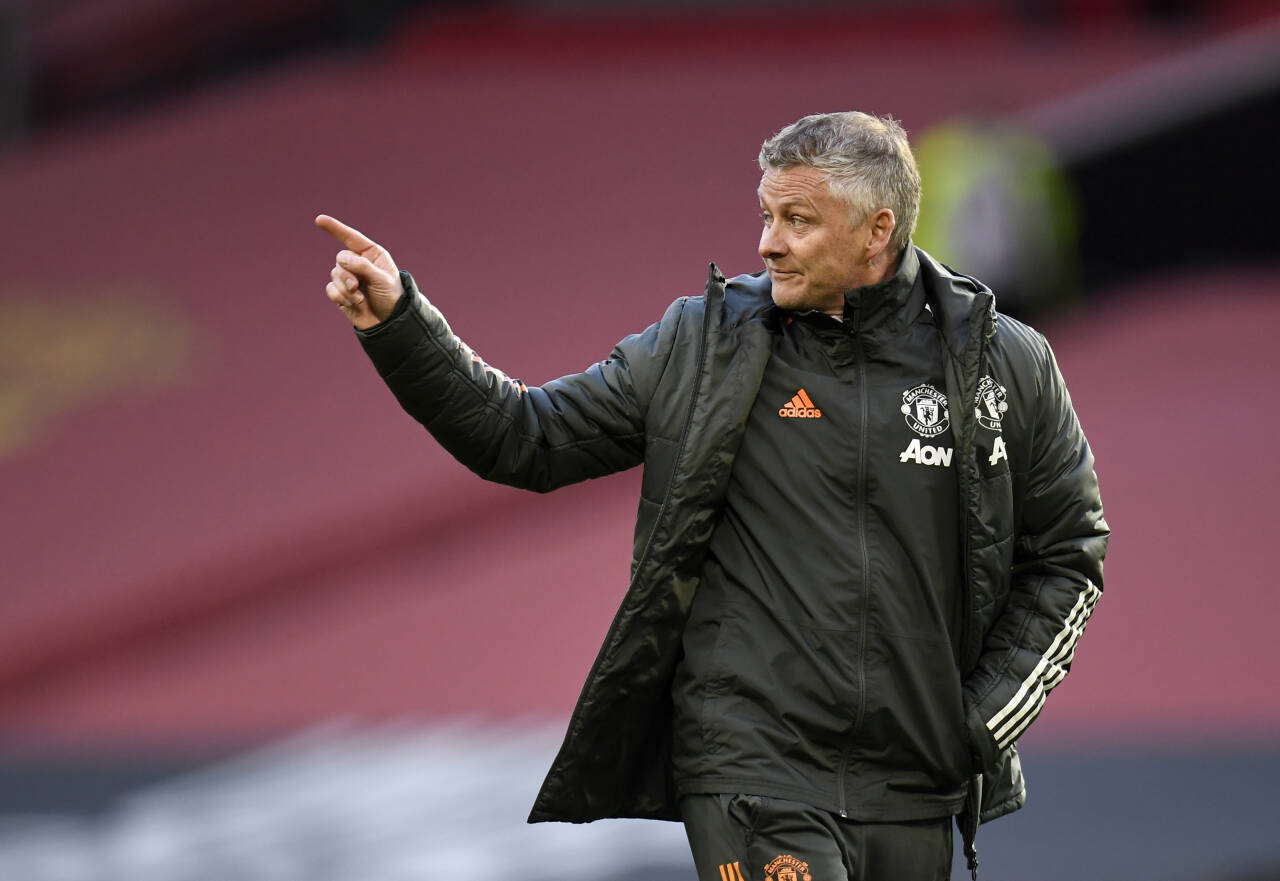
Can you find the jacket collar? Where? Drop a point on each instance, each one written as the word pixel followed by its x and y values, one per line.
pixel 958 302
pixel 869 305
pixel 892 302
pixel 886 307
pixel 961 304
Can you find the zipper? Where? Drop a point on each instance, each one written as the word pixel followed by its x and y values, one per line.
pixel 859 502
pixel 970 835
pixel 840 797
pixel 969 440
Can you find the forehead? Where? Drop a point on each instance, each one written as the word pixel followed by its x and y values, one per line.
pixel 800 183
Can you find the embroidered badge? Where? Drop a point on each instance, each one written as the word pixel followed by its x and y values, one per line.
pixel 990 405
pixel 926 410
pixel 787 868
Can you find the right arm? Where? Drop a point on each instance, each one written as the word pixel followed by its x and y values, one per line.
pixel 573 428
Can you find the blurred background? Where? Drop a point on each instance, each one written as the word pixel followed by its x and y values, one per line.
pixel 257 626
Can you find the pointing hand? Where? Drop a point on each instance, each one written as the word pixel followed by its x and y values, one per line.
pixel 364 281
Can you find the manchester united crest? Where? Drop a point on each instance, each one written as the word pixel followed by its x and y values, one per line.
pixel 990 404
pixel 787 868
pixel 926 410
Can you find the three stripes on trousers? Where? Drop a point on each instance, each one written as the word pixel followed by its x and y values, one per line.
pixel 731 872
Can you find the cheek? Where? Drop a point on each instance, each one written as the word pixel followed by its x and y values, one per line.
pixel 841 262
pixel 822 262
pixel 803 253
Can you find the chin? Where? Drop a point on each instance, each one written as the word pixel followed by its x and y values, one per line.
pixel 784 294
pixel 793 300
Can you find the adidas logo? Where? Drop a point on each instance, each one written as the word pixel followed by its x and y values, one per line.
pixel 800 407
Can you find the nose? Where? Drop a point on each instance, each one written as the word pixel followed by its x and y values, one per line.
pixel 772 245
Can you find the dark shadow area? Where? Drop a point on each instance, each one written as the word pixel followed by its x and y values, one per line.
pixel 1202 192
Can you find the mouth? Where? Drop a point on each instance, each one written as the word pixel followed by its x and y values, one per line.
pixel 782 274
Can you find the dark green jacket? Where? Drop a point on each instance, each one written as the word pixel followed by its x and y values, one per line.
pixel 675 398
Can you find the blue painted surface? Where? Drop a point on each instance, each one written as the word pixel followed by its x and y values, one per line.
pixel 1130 816
pixel 360 804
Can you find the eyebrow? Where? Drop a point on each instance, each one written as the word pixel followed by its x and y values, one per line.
pixel 792 203
pixel 787 201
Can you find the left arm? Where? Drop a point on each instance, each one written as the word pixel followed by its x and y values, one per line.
pixel 1060 541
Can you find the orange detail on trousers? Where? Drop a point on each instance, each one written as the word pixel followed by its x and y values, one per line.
pixel 731 872
pixel 787 868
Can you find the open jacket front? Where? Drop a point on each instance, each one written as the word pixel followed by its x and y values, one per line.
pixel 676 398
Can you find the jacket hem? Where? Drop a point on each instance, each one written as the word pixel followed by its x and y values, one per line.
pixel 904 810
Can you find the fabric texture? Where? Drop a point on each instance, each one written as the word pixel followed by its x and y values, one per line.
pixel 819 655
pixel 756 838
pixel 676 398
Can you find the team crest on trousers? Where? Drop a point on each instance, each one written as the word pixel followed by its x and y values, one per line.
pixel 925 409
pixel 990 405
pixel 785 867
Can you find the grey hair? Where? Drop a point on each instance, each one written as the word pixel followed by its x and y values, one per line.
pixel 866 159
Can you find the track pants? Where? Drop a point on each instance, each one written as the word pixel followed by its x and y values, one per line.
pixel 754 838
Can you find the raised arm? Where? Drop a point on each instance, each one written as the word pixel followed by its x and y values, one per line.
pixel 579 426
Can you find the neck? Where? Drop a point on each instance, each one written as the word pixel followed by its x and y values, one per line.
pixel 878 269
pixel 882 266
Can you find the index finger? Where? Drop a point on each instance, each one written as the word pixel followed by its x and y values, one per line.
pixel 350 237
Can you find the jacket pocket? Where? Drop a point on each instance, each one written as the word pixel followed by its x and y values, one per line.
pixel 780 691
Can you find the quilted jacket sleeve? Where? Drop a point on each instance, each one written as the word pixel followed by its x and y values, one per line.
pixel 539 438
pixel 1059 545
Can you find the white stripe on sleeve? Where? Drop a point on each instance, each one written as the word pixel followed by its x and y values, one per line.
pixel 1014 717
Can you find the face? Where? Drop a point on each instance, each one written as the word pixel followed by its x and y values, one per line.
pixel 810 246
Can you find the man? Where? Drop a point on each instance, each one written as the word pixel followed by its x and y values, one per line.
pixel 869 533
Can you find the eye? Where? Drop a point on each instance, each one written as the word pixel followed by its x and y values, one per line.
pixel 765 218
pixel 797 220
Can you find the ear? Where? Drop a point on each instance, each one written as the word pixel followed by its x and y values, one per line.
pixel 879 228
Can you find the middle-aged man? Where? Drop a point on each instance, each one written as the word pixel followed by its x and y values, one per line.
pixel 869 531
